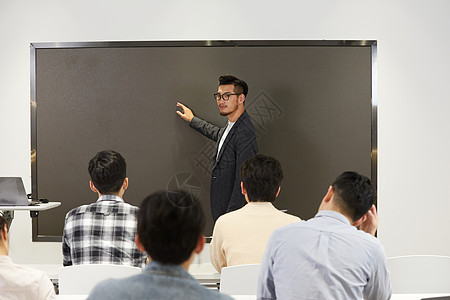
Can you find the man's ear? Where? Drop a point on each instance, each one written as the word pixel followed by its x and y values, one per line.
pixel 359 221
pixel 139 245
pixel 125 183
pixel 329 194
pixel 241 98
pixel 4 233
pixel 243 190
pixel 200 244
pixel 324 204
pixel 92 186
pixel 278 192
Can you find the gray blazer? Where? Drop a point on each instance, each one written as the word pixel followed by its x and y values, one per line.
pixel 239 145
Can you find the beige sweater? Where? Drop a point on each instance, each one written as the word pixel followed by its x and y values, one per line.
pixel 240 237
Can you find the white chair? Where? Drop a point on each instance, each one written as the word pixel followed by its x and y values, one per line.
pixel 80 279
pixel 239 280
pixel 419 274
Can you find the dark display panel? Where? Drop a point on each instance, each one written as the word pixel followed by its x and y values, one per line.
pixel 311 106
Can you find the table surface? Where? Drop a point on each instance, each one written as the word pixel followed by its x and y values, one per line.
pixel 204 273
pixel 252 297
pixel 39 207
pixel 394 296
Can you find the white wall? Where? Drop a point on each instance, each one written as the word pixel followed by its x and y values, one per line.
pixel 413 64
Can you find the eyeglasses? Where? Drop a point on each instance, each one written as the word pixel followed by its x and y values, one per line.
pixel 225 97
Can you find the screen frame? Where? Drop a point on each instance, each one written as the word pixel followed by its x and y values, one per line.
pixel 34 47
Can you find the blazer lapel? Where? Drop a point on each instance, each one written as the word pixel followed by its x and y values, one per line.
pixel 221 132
pixel 228 138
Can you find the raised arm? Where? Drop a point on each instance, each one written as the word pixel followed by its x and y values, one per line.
pixel 207 129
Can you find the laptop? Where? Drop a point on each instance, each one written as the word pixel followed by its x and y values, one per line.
pixel 12 192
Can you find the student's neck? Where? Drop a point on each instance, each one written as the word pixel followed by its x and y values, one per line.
pixel 115 194
pixel 336 209
pixel 187 263
pixel 3 249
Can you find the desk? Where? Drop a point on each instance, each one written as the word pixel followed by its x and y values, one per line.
pixel 394 296
pixel 39 207
pixel 415 296
pixel 204 273
pixel 8 211
pixel 252 297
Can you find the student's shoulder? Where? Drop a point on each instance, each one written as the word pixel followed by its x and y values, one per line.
pixel 112 288
pixel 288 229
pixel 211 294
pixel 77 210
pixel 287 217
pixel 231 217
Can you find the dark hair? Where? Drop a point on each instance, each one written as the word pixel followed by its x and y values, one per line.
pixel 2 224
pixel 108 170
pixel 240 86
pixel 169 225
pixel 354 194
pixel 262 177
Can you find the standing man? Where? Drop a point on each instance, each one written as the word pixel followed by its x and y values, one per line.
pixel 327 257
pixel 103 232
pixel 236 142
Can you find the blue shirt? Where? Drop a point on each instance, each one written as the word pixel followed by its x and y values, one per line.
pixel 323 258
pixel 157 281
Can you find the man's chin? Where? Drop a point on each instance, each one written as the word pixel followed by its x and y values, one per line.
pixel 224 113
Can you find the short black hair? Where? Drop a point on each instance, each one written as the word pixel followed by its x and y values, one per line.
pixel 108 170
pixel 240 86
pixel 2 225
pixel 169 225
pixel 354 193
pixel 262 177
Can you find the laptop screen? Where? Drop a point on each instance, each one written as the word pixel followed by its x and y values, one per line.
pixel 12 192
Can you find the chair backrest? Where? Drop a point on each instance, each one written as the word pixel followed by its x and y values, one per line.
pixel 239 280
pixel 80 279
pixel 419 274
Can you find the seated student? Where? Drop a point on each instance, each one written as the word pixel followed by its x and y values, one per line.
pixel 327 257
pixel 240 237
pixel 103 232
pixel 170 226
pixel 18 282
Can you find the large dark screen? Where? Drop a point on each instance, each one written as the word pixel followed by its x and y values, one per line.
pixel 311 106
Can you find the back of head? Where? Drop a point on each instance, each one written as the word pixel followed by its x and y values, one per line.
pixel 262 177
pixel 108 170
pixel 169 226
pixel 354 194
pixel 240 86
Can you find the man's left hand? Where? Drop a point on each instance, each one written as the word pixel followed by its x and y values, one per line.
pixel 370 223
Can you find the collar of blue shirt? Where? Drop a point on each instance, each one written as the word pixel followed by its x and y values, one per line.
pixel 333 214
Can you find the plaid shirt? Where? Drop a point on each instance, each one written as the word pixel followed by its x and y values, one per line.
pixel 102 233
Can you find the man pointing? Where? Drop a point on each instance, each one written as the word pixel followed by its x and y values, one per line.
pixel 236 142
